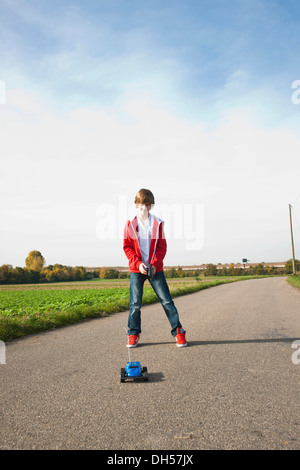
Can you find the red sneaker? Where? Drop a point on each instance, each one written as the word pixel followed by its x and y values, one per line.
pixel 132 341
pixel 180 338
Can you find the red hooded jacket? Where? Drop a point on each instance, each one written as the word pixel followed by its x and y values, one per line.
pixel 158 245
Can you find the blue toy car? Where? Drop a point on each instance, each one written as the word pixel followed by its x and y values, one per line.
pixel 134 371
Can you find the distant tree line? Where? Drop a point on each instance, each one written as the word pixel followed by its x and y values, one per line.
pixel 36 272
pixel 232 270
pixel 109 273
pixel 52 273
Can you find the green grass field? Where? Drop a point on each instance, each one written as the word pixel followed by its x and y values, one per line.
pixel 28 309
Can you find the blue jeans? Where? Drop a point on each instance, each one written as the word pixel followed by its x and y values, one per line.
pixel 160 287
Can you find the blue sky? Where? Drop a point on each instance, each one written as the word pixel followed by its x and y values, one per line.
pixel 189 98
pixel 91 52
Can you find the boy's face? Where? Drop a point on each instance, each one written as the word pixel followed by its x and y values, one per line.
pixel 143 210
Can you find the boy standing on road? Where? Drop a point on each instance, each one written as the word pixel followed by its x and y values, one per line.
pixel 145 247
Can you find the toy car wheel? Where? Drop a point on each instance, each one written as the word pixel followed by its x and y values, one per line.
pixel 122 375
pixel 145 374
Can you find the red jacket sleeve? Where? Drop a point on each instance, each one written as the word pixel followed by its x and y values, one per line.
pixel 161 247
pixel 129 248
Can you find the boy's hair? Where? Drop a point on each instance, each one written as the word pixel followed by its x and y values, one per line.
pixel 144 196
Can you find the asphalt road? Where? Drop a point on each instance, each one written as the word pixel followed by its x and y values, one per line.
pixel 234 387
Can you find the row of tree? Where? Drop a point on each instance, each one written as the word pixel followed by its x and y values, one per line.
pixel 210 270
pixel 55 273
pixel 109 273
pixel 35 271
pixel 231 270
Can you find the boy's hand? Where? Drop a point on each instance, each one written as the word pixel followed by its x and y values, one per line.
pixel 142 268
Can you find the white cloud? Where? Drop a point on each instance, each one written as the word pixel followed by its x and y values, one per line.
pixel 58 169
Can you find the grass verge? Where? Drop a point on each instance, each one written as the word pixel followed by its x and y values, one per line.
pixel 33 316
pixel 294 281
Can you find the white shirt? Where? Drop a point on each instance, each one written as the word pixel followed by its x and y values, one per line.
pixel 145 231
